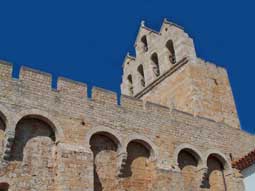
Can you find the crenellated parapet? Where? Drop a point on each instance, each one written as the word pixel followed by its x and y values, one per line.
pixel 33 81
pixel 38 82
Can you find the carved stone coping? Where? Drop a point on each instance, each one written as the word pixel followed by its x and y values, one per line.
pixel 173 69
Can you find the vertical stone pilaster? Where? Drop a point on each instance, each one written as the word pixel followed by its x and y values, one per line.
pixel 9 140
pixel 122 159
pixel 202 178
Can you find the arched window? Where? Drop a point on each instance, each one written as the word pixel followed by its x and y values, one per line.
pixel 171 52
pixel 188 161
pixel 215 178
pixel 145 43
pixel 4 186
pixel 104 147
pixel 29 132
pixel 155 64
pixel 34 147
pixel 141 72
pixel 139 169
pixel 130 85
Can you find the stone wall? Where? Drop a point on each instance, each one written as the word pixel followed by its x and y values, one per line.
pixel 199 88
pixel 78 138
pixel 2 129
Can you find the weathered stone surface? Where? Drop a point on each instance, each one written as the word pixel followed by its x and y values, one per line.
pixel 63 140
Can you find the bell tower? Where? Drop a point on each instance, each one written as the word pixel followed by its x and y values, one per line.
pixel 167 71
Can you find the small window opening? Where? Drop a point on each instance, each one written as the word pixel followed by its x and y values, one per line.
pixel 130 85
pixel 145 43
pixel 171 51
pixel 141 72
pixel 231 156
pixel 155 64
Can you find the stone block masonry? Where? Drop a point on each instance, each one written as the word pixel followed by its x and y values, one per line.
pixel 60 139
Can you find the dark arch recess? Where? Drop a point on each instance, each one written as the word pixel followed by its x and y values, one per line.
pixel 2 121
pixel 187 157
pixel 141 72
pixel 103 141
pixel 215 162
pixel 108 135
pixel 4 186
pixel 155 64
pixel 136 149
pixel 145 43
pixel 29 127
pixel 193 155
pixel 170 47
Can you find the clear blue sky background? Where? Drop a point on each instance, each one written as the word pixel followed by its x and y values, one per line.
pixel 87 40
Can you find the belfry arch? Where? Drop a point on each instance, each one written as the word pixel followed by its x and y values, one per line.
pixel 141 75
pixel 144 43
pixel 155 64
pixel 130 84
pixel 171 52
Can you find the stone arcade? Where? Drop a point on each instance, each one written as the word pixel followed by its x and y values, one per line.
pixel 176 127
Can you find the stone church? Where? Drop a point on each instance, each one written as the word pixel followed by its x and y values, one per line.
pixel 176 127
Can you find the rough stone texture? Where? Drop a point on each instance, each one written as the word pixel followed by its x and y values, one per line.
pixel 2 128
pixel 105 160
pixel 62 140
pixel 188 164
pixel 189 84
pixel 139 173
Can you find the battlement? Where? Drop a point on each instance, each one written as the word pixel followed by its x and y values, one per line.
pixel 72 88
pixel 5 70
pixel 37 80
pixel 34 80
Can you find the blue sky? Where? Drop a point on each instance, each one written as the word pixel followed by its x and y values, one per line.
pixel 87 40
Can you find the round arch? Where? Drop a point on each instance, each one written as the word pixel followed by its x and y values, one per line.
pixel 5 115
pixel 220 156
pixel 191 149
pixel 110 133
pixel 41 115
pixel 170 47
pixel 147 143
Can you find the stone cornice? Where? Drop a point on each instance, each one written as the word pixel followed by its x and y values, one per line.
pixel 169 72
